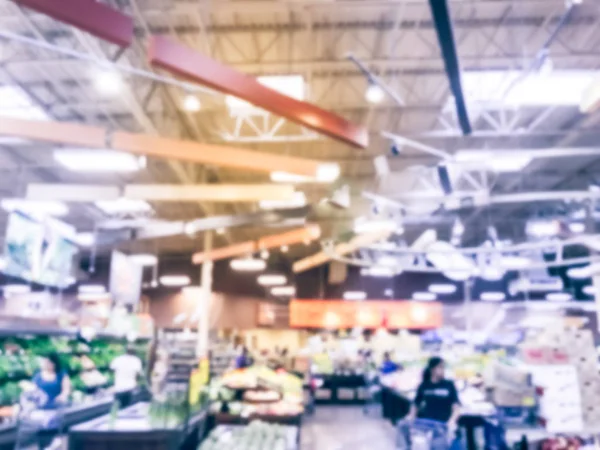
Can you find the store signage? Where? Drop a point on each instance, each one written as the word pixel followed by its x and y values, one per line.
pixel 372 314
pixel 125 279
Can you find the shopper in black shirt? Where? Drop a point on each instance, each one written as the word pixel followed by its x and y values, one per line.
pixel 437 398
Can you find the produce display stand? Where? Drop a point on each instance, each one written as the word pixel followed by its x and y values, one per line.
pixel 72 415
pixel 337 388
pixel 292 434
pixel 131 428
pixel 236 419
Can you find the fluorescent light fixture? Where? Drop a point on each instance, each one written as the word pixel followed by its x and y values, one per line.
pixel 442 288
pixel 91 289
pixel 85 239
pixel 486 159
pixel 542 228
pixel 191 103
pixel 298 200
pixel 16 289
pixel 271 279
pixel 35 207
pixel 123 206
pixel 514 262
pixel 16 104
pixel 283 291
pixel 290 85
pixel 355 295
pixel 87 160
pixel 144 259
pixel 577 227
pixel 374 94
pixel 492 296
pixel 378 272
pixel 326 173
pixel 365 225
pixel 175 280
pixel 579 273
pixel 424 296
pixel 497 89
pixel 558 297
pixel 589 290
pixel 108 82
pixel 248 264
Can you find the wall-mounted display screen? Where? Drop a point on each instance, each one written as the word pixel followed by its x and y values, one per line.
pixel 39 250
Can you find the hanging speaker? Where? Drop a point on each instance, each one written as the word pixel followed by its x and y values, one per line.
pixel 444 177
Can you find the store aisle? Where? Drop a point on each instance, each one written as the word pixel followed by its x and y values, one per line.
pixel 346 428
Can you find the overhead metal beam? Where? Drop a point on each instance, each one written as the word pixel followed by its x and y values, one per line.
pixel 88 15
pixel 185 62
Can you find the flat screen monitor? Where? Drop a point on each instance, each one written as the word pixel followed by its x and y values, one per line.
pixel 39 250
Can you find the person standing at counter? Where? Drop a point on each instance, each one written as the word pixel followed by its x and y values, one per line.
pixel 388 366
pixel 243 360
pixel 127 368
pixel 53 381
pixel 437 397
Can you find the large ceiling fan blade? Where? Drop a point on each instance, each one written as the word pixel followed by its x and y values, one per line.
pixel 443 28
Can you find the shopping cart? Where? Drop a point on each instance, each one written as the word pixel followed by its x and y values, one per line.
pixel 422 434
pixel 37 427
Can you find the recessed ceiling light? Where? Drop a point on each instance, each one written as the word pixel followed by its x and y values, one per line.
pixel 442 288
pixel 355 295
pixel 108 82
pixel 589 290
pixel 283 291
pixel 558 296
pixel 579 273
pixel 378 271
pixel 271 279
pixel 144 259
pixel 424 296
pixel 284 249
pixel 175 280
pixel 374 93
pixel 191 103
pixel 264 254
pixel 492 296
pixel 248 264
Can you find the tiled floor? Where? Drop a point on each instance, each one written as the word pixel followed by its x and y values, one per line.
pixel 346 428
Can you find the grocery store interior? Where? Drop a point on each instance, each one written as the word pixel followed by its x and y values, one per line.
pixel 299 224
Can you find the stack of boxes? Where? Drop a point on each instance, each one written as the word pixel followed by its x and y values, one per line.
pixel 583 357
pixel 565 366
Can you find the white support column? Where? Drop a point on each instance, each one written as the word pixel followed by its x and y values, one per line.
pixel 468 312
pixel 206 273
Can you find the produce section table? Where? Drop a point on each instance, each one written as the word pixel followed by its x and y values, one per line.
pixel 339 388
pixel 132 429
pixel 72 415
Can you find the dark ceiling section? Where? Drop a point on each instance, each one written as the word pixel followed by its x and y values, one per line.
pixel 445 34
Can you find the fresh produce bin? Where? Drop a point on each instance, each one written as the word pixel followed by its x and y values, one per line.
pixel 133 428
